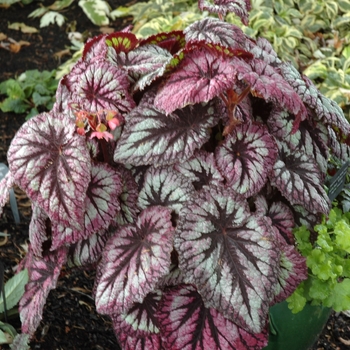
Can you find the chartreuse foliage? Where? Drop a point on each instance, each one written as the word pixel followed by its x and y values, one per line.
pixel 177 165
pixel 328 262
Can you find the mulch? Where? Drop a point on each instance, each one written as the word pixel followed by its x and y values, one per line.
pixel 70 321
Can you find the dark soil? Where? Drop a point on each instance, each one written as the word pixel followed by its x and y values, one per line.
pixel 70 321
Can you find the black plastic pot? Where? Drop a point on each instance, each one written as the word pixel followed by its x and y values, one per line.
pixel 299 331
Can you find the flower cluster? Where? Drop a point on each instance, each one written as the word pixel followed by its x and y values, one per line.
pixel 98 123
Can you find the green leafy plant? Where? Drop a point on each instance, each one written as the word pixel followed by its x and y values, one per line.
pixel 157 16
pixel 13 291
pixel 328 262
pixel 32 92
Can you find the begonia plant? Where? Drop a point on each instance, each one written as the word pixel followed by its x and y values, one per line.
pixel 178 166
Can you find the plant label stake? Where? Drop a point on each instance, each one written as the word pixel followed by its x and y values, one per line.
pixel 336 183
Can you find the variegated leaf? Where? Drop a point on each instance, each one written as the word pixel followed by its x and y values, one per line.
pixel 263 50
pixel 201 76
pixel 134 260
pixel 239 7
pixel 187 324
pixel 246 157
pixel 283 219
pixel 121 41
pixel 201 170
pixel 43 275
pixel 165 187
pixel 325 109
pixel 51 163
pixel 99 85
pixel 298 178
pixel 304 217
pixel 313 139
pixel 39 231
pixel 266 82
pixel 128 198
pixel 148 62
pixel 6 184
pixel 151 137
pixel 88 251
pixel 172 41
pixel 229 254
pixel 95 48
pixel 138 329
pixel 212 30
pixel 101 206
pixel 293 271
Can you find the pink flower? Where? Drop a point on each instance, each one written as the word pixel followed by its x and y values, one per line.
pixel 113 123
pixel 101 133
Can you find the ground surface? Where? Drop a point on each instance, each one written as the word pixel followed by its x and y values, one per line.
pixel 70 321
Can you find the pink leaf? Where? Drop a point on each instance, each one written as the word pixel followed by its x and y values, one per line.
pixel 52 164
pixel 134 261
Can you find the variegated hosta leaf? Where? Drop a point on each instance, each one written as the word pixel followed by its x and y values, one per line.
pixel 128 198
pixel 238 7
pixel 267 83
pixel 138 329
pixel 187 324
pixel 201 170
pixel 298 177
pixel 201 76
pixel 165 187
pixel 52 164
pixel 212 30
pixel 100 85
pixel 87 251
pixel 151 137
pixel 313 139
pixel 293 271
pixel 43 275
pixel 283 219
pixel 246 157
pixel 134 260
pixel 39 230
pixel 229 254
pixel 101 206
pixel 325 109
